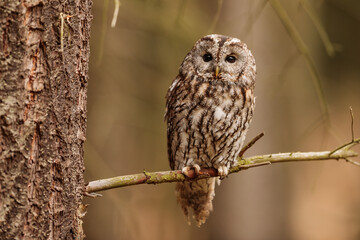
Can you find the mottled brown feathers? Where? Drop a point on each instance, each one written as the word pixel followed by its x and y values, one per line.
pixel 208 115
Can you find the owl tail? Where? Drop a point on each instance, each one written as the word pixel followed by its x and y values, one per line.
pixel 195 198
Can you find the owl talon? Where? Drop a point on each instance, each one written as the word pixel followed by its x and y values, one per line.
pixel 187 170
pixel 196 168
pixel 223 171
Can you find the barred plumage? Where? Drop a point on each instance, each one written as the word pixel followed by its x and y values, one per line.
pixel 209 107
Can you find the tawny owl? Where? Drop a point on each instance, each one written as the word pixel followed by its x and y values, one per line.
pixel 209 107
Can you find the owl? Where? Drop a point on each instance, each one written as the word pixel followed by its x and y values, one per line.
pixel 209 107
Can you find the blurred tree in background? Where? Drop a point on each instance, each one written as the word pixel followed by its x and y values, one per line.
pixel 133 64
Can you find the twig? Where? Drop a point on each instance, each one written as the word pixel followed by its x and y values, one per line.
pixel 346 146
pixel 250 144
pixel 116 13
pixel 352 124
pixel 343 152
pixel 353 140
pixel 352 162
pixel 92 195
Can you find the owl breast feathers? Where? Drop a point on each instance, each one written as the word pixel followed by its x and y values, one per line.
pixel 209 107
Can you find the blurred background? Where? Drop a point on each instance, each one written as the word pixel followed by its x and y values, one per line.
pixel 131 68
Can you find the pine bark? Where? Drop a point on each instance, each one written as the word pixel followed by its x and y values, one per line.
pixel 43 86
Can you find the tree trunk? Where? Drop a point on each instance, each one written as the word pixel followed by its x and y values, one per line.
pixel 44 55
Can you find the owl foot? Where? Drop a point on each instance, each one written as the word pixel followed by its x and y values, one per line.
pixel 190 174
pixel 223 171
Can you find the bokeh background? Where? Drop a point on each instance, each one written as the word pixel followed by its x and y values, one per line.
pixel 133 64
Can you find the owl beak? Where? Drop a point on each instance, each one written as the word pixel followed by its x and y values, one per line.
pixel 217 71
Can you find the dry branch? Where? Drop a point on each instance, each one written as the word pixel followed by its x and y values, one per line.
pixel 342 152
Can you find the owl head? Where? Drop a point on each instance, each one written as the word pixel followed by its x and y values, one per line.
pixel 218 57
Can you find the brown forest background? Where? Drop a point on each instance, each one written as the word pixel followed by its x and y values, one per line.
pixel 133 64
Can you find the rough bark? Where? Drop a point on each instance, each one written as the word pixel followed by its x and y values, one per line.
pixel 42 117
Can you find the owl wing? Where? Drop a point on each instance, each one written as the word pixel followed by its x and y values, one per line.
pixel 172 106
pixel 171 96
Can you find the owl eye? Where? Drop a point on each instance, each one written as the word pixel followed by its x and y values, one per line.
pixel 230 59
pixel 207 57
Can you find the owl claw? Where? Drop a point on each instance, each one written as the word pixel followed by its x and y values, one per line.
pixel 223 171
pixel 186 170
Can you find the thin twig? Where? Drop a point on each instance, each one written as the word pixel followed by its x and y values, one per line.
pixel 352 124
pixel 116 13
pixel 92 195
pixel 250 144
pixel 346 146
pixel 352 162
pixel 353 140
